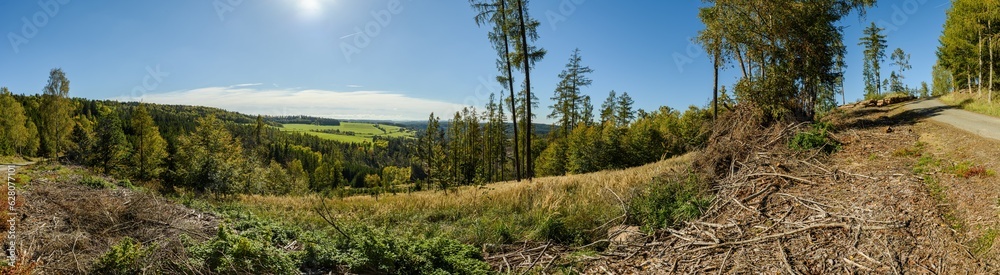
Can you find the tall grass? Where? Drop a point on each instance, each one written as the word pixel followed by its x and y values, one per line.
pixel 571 210
pixel 973 103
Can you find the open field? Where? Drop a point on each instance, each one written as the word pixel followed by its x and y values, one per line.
pixel 363 132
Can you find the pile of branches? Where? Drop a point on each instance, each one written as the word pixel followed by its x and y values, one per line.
pixel 66 226
pixel 525 256
pixel 757 223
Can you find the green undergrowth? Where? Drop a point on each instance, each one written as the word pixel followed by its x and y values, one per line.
pixel 667 203
pixel 816 137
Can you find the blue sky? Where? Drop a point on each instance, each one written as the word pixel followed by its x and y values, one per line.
pixel 285 57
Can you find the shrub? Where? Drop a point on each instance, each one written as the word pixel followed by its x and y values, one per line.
pixel 231 253
pixel 554 228
pixel 668 203
pixel 127 257
pixel 817 137
pixel 126 183
pixel 378 251
pixel 96 182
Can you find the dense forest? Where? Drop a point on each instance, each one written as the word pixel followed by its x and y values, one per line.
pixel 197 148
pixel 966 56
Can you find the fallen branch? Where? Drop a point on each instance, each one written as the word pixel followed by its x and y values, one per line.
pixel 809 182
pixel 772 236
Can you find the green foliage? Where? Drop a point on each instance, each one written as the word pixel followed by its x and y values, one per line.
pixel 126 183
pixel 968 169
pixel 552 161
pixel 112 147
pixel 667 203
pixel 56 122
pixel 570 108
pixel 817 137
pixel 787 58
pixel 967 45
pixel 96 182
pixel 875 45
pixel 149 148
pixel 555 228
pixel 127 257
pixel 247 244
pixel 14 133
pixel 943 80
pixel 329 174
pixel 208 159
pixel 248 252
pixel 379 251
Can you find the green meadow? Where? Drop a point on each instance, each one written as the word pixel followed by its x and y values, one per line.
pixel 363 132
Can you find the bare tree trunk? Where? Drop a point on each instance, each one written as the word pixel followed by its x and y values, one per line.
pixel 510 82
pixel 527 86
pixel 968 76
pixel 715 88
pixel 980 80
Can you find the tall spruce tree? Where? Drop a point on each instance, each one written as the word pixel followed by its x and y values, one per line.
pixel 569 107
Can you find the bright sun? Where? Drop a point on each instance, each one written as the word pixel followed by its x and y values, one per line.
pixel 311 8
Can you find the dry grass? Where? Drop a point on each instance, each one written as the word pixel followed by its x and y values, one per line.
pixel 495 214
pixel 973 103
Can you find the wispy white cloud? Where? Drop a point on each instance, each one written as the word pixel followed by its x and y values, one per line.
pixel 354 86
pixel 266 101
pixel 246 85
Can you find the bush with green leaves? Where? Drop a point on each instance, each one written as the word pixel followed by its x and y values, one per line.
pixel 667 203
pixel 250 245
pixel 127 257
pixel 375 250
pixel 231 252
pixel 96 182
pixel 817 137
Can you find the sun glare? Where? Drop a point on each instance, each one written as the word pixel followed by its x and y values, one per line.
pixel 311 8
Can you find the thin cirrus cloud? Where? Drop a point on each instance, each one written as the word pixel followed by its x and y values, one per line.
pixel 253 99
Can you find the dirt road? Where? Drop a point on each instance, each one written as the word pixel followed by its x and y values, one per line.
pixel 982 125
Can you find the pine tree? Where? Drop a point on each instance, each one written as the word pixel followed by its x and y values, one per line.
pixel 609 110
pixel 624 109
pixel 112 148
pixel 149 148
pixel 569 104
pixel 875 44
pixel 587 111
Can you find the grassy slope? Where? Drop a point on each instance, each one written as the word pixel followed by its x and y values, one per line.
pixel 972 103
pixel 570 209
pixel 363 131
